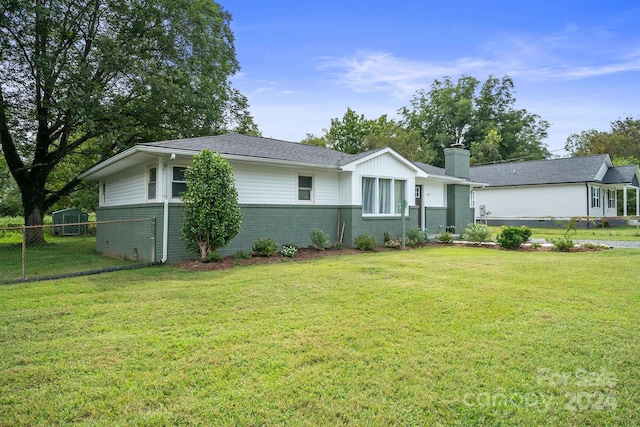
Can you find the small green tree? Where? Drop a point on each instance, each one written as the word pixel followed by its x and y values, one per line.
pixel 212 215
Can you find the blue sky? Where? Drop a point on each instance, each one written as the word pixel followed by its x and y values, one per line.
pixel 574 63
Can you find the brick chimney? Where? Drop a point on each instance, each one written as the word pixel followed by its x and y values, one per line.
pixel 456 161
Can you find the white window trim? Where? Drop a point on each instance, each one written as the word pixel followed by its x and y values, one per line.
pixel 376 197
pixel 313 186
pixel 595 197
pixel 611 197
pixel 171 181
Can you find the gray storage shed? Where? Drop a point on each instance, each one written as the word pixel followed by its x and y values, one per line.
pixel 66 221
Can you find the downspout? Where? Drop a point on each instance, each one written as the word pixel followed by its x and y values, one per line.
pixel 165 231
pixel 588 202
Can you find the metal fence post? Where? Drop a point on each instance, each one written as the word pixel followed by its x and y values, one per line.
pixel 24 252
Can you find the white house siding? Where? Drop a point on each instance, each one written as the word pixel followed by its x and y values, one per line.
pixel 125 188
pixel 385 166
pixel 434 194
pixel 259 184
pixel 558 201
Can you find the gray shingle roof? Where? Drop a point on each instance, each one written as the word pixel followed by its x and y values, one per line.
pixel 267 148
pixel 553 171
pixel 431 170
pixel 621 175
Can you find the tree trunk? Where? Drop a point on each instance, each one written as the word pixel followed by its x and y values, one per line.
pixel 33 216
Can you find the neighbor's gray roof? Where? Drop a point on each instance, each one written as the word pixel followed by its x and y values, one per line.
pixel 267 148
pixel 621 175
pixel 553 171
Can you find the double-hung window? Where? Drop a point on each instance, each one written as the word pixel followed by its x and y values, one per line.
pixel 305 188
pixel 383 196
pixel 612 198
pixel 595 197
pixel 152 177
pixel 178 182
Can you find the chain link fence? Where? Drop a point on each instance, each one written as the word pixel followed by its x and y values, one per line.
pixel 30 253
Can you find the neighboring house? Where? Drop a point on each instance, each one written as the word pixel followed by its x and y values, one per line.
pixel 531 193
pixel 285 190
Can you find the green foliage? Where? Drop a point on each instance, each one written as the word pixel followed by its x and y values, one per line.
pixel 265 247
pixel 338 246
pixel 365 242
pixel 416 237
pixel 620 142
pixel 512 237
pixel 289 250
pixel 469 111
pixel 214 256
pixel 212 216
pixel 535 245
pixel 108 75
pixel 477 233
pixel 562 244
pixel 446 238
pixel 593 246
pixel 319 239
pixel 387 236
pixel 242 254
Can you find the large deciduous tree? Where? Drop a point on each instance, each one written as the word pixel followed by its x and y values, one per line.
pixel 622 141
pixel 83 79
pixel 468 112
pixel 212 216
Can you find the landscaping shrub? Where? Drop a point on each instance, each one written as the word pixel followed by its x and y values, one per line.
pixel 446 238
pixel 416 237
pixel 338 246
pixel 387 237
pixel 511 237
pixel 593 246
pixel 319 239
pixel 562 244
pixel 214 256
pixel 242 254
pixel 265 247
pixel 477 233
pixel 366 242
pixel 289 250
pixel 393 243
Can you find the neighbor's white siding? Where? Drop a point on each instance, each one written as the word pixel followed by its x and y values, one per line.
pixel 558 201
pixel 126 188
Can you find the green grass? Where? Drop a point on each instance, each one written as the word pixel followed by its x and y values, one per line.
pixel 613 233
pixel 61 255
pixel 433 336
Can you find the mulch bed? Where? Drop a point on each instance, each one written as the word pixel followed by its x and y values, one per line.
pixel 304 254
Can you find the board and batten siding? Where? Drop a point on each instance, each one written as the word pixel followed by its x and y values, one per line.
pixel 558 201
pixel 126 188
pixel 385 166
pixel 261 184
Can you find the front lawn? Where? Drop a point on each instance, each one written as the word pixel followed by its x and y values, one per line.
pixel 433 336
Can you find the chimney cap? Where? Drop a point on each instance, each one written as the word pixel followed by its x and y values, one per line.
pixel 457 145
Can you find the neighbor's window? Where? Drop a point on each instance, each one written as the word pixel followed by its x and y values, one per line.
pixel 472 199
pixel 612 198
pixel 379 194
pixel 151 183
pixel 595 197
pixel 178 183
pixel 305 188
